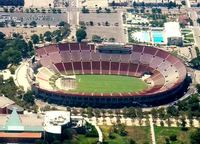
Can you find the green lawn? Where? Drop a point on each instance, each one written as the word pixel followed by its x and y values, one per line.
pixel 140 135
pixel 108 84
pixel 162 133
pixel 86 140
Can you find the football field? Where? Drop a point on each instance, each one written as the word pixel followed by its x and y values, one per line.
pixel 108 84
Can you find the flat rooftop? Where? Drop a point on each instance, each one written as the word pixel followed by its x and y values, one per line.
pixel 28 120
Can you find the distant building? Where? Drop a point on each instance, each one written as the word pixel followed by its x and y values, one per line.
pixel 172 34
pixel 16 128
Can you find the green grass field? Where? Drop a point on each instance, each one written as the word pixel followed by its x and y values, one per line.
pixel 139 134
pixel 108 84
pixel 162 133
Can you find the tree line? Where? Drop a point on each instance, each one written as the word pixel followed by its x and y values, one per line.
pixel 13 50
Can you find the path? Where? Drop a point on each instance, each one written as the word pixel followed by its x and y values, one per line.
pixel 97 128
pixel 152 130
pixel 20 77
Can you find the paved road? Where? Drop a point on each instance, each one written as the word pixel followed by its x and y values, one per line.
pixel 73 16
pixel 192 12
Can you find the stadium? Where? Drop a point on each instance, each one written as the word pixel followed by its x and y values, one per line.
pixel 106 75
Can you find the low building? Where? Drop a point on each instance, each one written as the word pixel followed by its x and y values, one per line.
pixel 19 109
pixel 16 128
pixel 55 120
pixel 172 34
pixel 4 104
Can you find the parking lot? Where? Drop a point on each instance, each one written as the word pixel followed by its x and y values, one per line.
pixel 104 24
pixel 26 32
pixel 40 18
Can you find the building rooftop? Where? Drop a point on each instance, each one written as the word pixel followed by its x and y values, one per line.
pixel 54 120
pixel 15 123
pixel 14 106
pixel 20 135
pixel 4 102
pixel 172 29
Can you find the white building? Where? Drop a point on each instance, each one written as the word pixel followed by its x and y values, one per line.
pixel 54 120
pixel 172 34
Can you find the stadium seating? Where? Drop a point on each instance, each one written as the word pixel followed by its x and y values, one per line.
pixel 63 47
pixel 40 52
pixel 51 48
pixel 76 57
pixel 165 71
pixel 65 56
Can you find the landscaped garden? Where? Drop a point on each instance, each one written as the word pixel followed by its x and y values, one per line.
pixel 172 135
pixel 188 37
pixel 120 134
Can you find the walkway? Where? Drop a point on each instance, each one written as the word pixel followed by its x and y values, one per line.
pixel 20 77
pixel 152 130
pixel 97 128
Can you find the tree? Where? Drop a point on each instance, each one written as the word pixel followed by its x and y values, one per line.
pixel 172 110
pixel 134 4
pixel 131 141
pixel 62 23
pixel 195 137
pixel 11 10
pixel 48 36
pixel 54 10
pixel 111 39
pixel 195 63
pixel 33 24
pixel 35 39
pixel 40 142
pixel 90 112
pixel 17 35
pixel 29 98
pixel 2 24
pixel 12 23
pixel 131 112
pixel 198 20
pixel 190 21
pixel 2 35
pixel 171 5
pixel 25 25
pixel 12 55
pixel 107 10
pixel 85 10
pixel 183 124
pixel 167 141
pixel 97 39
pixel 59 11
pixel 43 11
pixel 183 2
pixel 80 34
pixel 173 137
